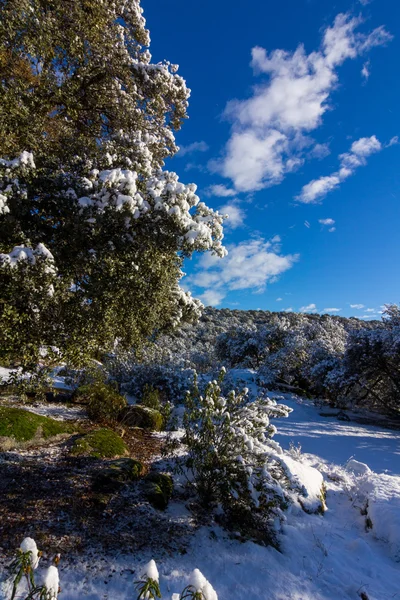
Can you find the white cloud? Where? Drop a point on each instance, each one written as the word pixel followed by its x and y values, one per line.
pixel 249 265
pixel 365 2
pixel 236 215
pixel 370 310
pixel 307 224
pixel 357 306
pixel 317 189
pixel 333 310
pixel 194 147
pixel 288 310
pixel 279 299
pixel 220 190
pixel 269 129
pixel 326 221
pixel 310 308
pixel 365 71
pixel 211 297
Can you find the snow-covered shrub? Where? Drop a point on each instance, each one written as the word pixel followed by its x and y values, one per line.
pixel 231 459
pixel 172 382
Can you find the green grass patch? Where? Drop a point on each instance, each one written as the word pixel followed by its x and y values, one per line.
pixel 22 425
pixel 103 443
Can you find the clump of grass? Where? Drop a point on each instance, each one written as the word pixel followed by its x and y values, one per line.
pixel 102 443
pixel 22 426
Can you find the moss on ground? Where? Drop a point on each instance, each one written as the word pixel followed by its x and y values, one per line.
pixel 22 425
pixel 158 489
pixel 102 443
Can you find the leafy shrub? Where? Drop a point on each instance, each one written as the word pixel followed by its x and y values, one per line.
pixel 103 443
pixel 104 403
pixel 141 416
pixel 231 459
pixel 150 397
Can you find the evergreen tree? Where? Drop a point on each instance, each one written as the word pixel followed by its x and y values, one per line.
pixel 92 231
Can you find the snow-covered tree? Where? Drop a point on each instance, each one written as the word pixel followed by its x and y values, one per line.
pixel 92 231
pixel 370 374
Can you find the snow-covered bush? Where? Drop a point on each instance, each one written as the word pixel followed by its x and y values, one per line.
pixel 232 460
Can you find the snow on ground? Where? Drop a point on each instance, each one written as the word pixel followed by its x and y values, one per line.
pixel 337 441
pixel 335 556
pixel 57 381
pixel 60 412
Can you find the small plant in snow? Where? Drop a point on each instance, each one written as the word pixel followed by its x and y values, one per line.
pixel 148 586
pixel 199 588
pixel 23 567
pixel 295 450
pixel 26 560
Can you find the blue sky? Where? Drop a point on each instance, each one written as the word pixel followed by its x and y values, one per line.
pixel 293 125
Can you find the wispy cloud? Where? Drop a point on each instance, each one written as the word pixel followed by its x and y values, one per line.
pixel 317 189
pixel 357 306
pixel 332 310
pixel 270 129
pixel 365 71
pixel 249 265
pixel 326 221
pixel 279 299
pixel 194 147
pixel 220 191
